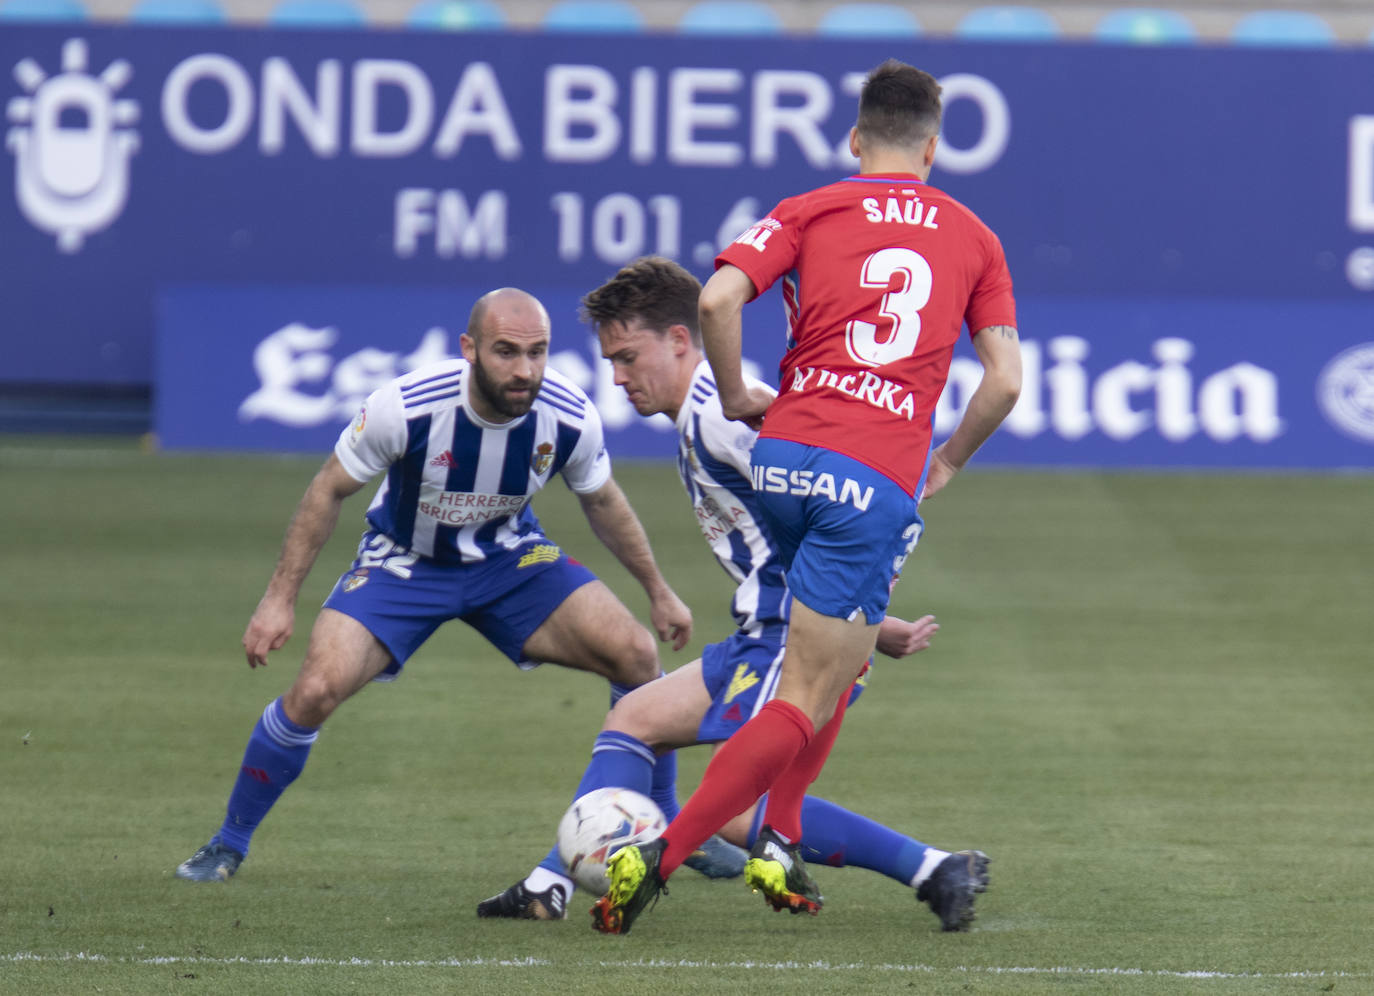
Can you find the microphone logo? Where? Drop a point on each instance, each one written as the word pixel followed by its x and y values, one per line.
pixel 72 140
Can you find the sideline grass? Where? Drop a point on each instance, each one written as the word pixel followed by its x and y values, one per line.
pixel 1149 702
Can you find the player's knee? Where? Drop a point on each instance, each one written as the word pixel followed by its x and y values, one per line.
pixel 311 700
pixel 634 717
pixel 636 658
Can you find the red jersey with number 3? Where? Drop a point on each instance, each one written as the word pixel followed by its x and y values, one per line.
pixel 879 273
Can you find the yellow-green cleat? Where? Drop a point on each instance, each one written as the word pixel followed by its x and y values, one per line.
pixel 776 869
pixel 635 881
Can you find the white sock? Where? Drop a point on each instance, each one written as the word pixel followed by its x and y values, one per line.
pixel 928 864
pixel 541 878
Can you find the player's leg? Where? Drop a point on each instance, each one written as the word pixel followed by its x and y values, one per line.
pixel 840 559
pixel 342 657
pixel 829 655
pixel 371 623
pixel 841 838
pixel 661 715
pixel 746 767
pixel 592 630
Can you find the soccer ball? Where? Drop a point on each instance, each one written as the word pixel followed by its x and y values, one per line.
pixel 600 823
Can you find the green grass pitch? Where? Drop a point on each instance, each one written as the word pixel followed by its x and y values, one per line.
pixel 1150 702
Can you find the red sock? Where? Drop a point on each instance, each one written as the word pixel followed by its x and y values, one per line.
pixel 783 812
pixel 741 771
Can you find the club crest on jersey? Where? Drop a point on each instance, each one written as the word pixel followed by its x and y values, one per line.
pixel 543 458
pixel 355 580
pixel 544 553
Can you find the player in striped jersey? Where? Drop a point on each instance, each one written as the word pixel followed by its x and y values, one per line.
pixel 464 445
pixel 646 318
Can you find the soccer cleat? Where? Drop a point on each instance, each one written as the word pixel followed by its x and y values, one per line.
pixel 212 863
pixel 633 871
pixel 777 870
pixel 518 903
pixel 951 887
pixel 718 858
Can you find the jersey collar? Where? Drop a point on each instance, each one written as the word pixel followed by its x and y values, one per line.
pixel 684 414
pixel 885 178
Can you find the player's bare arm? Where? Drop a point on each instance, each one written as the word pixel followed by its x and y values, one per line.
pixel 1000 352
pixel 898 638
pixel 721 307
pixel 311 526
pixel 615 524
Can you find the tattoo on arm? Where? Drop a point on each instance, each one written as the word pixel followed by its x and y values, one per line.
pixel 1005 331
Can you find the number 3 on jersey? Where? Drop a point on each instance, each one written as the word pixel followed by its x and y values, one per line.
pixel 901 307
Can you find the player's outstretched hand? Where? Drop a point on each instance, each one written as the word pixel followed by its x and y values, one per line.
pixel 941 470
pixel 750 409
pixel 899 638
pixel 269 629
pixel 671 618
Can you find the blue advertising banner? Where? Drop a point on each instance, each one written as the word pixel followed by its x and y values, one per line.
pixel 299 215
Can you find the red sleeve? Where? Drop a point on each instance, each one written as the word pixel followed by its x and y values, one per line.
pixel 767 249
pixel 991 302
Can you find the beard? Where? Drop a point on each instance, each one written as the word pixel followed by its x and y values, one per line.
pixel 495 393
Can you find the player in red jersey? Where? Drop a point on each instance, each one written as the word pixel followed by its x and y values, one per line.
pixel 879 271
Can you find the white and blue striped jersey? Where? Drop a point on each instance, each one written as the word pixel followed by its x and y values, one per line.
pixel 458 487
pixel 713 459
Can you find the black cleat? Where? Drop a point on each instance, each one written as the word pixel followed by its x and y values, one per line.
pixel 518 903
pixel 950 890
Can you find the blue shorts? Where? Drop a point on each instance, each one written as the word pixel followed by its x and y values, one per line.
pixel 741 674
pixel 843 529
pixel 402 598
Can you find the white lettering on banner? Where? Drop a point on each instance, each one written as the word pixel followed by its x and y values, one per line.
pixel 583 120
pixel 996 131
pixel 580 97
pixel 619 226
pixel 588 115
pixel 318 121
pixel 1125 400
pixel 296 357
pixel 301 384
pixel 369 76
pixel 237 89
pixel 803 122
pixel 785 480
pixel 477 107
pixel 686 117
pixel 458 230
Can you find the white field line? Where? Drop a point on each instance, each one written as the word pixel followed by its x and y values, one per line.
pixel 781 966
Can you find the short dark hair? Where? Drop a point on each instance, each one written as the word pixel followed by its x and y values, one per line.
pixel 654 290
pixel 899 105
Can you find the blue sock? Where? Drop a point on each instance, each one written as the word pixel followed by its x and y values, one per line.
pixel 275 755
pixel 832 835
pixel 664 787
pixel 618 760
